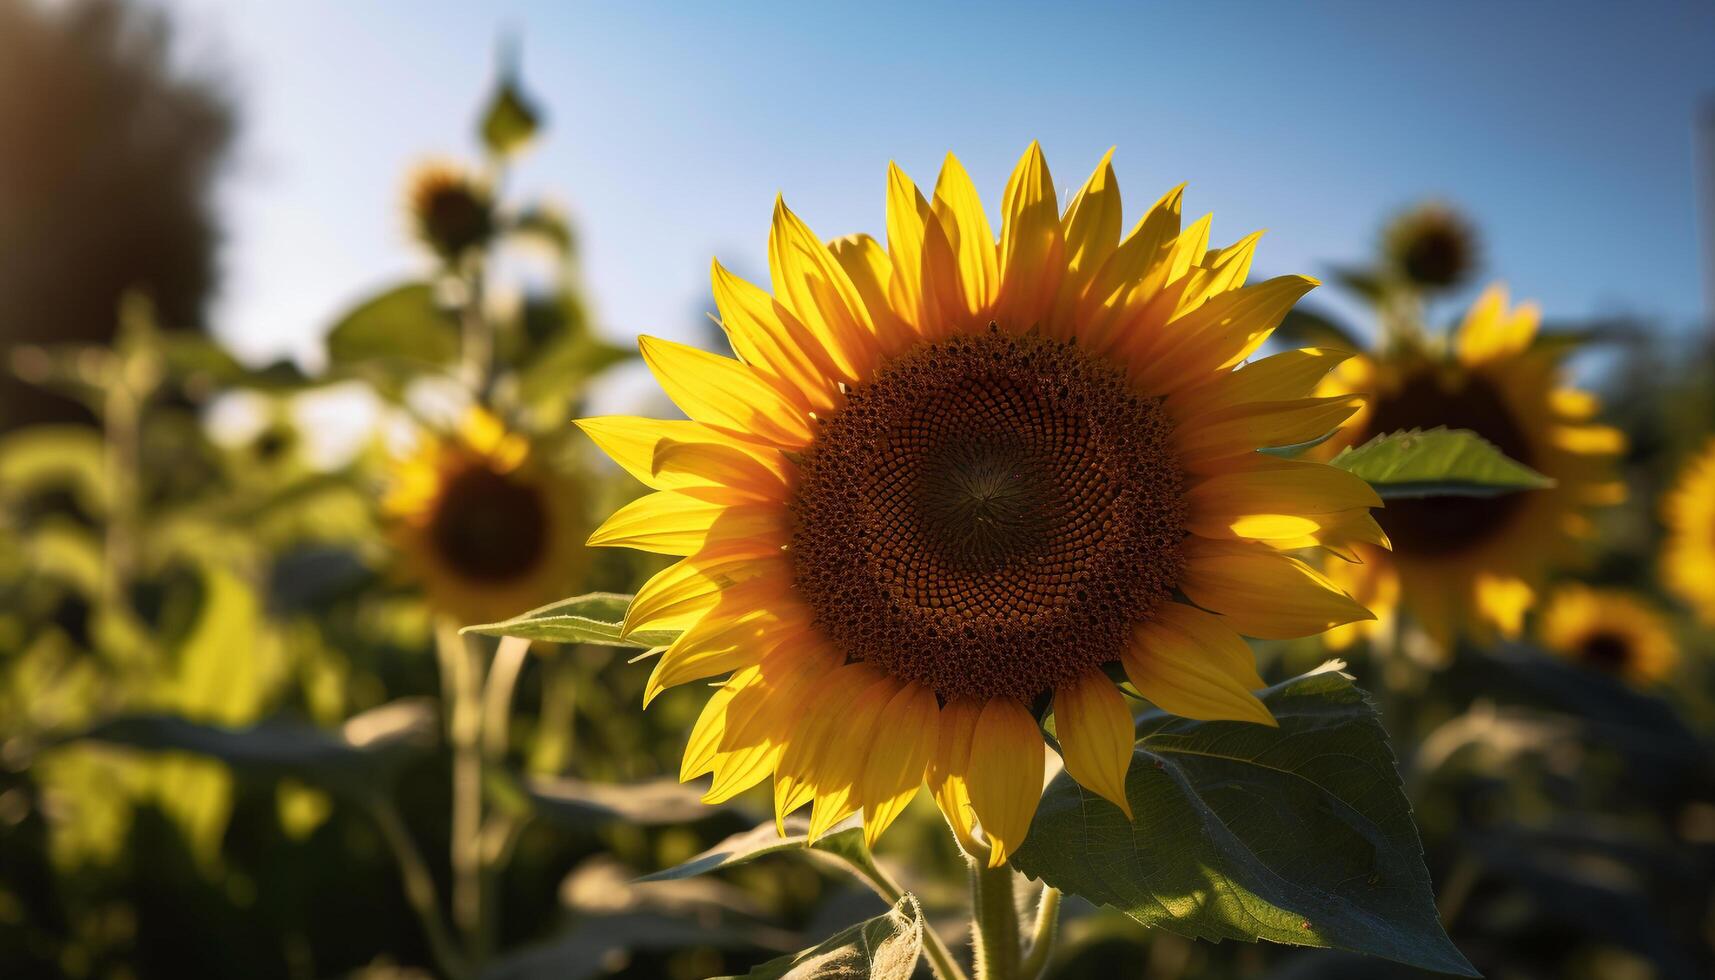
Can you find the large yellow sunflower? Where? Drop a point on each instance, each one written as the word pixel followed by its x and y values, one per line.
pixel 948 481
pixel 1473 565
pixel 1688 557
pixel 487 531
pixel 1609 631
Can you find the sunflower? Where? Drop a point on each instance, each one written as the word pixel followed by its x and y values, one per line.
pixel 487 531
pixel 1609 631
pixel 451 210
pixel 1473 565
pixel 1431 246
pixel 948 483
pixel 1688 557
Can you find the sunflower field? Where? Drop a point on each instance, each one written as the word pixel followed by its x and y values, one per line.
pixel 1020 589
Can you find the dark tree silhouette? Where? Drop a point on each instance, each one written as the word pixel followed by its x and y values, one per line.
pixel 109 152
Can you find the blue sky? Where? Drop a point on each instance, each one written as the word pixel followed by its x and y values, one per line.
pixel 1567 130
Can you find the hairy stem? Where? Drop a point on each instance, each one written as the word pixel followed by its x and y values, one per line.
pixel 1042 937
pixel 995 931
pixel 940 957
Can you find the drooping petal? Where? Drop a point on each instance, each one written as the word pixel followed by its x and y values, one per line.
pixel 1096 735
pixel 948 767
pixel 1188 662
pixel 1263 593
pixel 905 735
pixel 723 393
pixel 1004 777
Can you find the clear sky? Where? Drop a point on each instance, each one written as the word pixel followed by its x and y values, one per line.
pixel 1566 129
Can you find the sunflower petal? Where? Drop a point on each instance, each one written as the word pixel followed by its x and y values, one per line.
pixel 770 339
pixel 1031 246
pixel 1096 735
pixel 1191 664
pixel 1005 774
pixel 1263 593
pixel 814 286
pixel 925 283
pixel 668 522
pixel 636 444
pixel 948 767
pixel 1261 424
pixel 723 393
pixel 1279 377
pixel 682 593
pixel 871 271
pixel 718 645
pixel 961 212
pixel 905 735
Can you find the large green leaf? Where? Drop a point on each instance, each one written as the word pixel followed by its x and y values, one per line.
pixel 1438 462
pixel 511 120
pixel 1300 834
pixel 764 839
pixel 401 324
pixel 575 804
pixel 357 760
pixel 886 947
pixel 592 618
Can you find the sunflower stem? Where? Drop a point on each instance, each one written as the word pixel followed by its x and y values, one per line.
pixel 419 887
pixel 461 684
pixel 995 929
pixel 1042 937
pixel 934 947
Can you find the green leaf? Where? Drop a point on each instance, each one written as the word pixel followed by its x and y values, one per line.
pixel 1300 834
pixel 357 760
pixel 886 947
pixel 401 324
pixel 576 804
pixel 765 839
pixel 511 121
pixel 47 457
pixel 593 618
pixel 1436 463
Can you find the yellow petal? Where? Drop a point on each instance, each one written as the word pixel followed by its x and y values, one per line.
pixel 1005 774
pixel 948 766
pixel 1096 735
pixel 1145 248
pixel 1223 271
pixel 1266 497
pixel 669 522
pixel 961 213
pixel 925 284
pixel 802 771
pixel 1191 664
pixel 1032 258
pixel 704 743
pixel 636 445
pixel 1216 335
pixel 718 646
pixel 811 283
pixel 770 339
pixel 1503 601
pixel 1091 228
pixel 1263 593
pixel 871 271
pixel 905 735
pixel 682 593
pixel 1280 377
pixel 1489 331
pixel 723 393
pixel 1590 440
pixel 1261 424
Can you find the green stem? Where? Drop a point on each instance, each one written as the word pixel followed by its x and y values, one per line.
pixel 1042 937
pixel 995 929
pixel 461 683
pixel 419 887
pixel 940 957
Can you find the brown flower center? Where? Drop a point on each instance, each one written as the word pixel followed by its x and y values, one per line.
pixel 1605 650
pixel 1448 525
pixel 488 526
pixel 989 515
